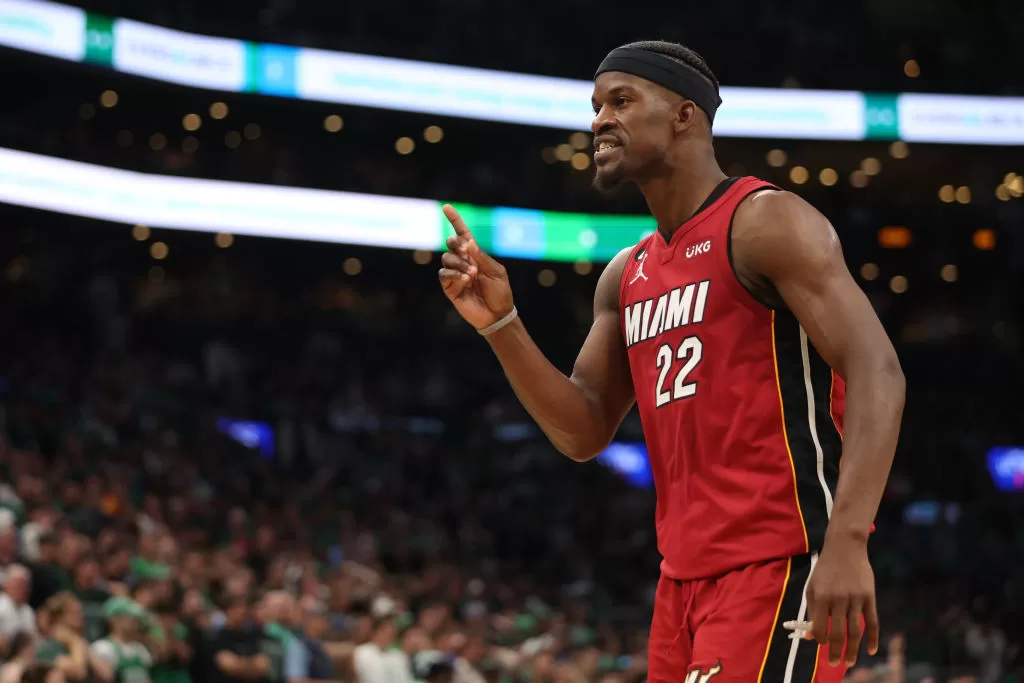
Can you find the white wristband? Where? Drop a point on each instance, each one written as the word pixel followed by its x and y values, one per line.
pixel 491 329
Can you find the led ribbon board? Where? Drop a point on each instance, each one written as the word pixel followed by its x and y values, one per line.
pixel 224 64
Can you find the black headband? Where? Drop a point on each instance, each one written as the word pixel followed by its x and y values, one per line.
pixel 666 72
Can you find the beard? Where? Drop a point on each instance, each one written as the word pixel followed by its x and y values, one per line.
pixel 609 181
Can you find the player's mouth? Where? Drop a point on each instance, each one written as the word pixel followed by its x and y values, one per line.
pixel 605 148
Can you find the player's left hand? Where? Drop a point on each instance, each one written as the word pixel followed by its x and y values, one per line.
pixel 841 600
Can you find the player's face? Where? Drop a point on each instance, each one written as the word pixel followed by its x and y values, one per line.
pixel 633 128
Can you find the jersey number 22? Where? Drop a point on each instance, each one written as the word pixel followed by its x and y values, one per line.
pixel 690 351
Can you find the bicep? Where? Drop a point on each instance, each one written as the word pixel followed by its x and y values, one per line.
pixel 835 313
pixel 798 251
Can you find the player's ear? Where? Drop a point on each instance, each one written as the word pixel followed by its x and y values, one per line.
pixel 686 115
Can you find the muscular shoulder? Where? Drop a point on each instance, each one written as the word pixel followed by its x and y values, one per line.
pixel 606 298
pixel 774 232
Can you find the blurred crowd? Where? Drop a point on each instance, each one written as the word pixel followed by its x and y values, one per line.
pixel 409 523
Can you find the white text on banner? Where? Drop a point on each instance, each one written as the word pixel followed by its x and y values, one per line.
pixel 43 27
pixel 216 206
pixel 807 114
pixel 440 89
pixel 179 57
pixel 962 119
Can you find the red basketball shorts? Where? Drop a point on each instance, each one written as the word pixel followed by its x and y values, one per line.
pixel 730 629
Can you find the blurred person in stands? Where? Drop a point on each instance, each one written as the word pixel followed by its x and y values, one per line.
pixel 986 644
pixel 313 629
pixel 117 564
pixel 735 327
pixel 61 643
pixel 16 616
pixel 570 673
pixel 124 649
pixel 543 667
pixel 288 656
pixel 413 641
pixel 47 578
pixel 40 672
pixel 69 551
pixel 20 654
pixel 434 667
pixel 41 524
pixel 433 617
pixel 173 666
pixel 374 661
pixel 233 653
pixel 465 654
pixel 89 587
pixel 8 541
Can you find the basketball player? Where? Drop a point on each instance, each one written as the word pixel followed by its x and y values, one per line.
pixel 739 331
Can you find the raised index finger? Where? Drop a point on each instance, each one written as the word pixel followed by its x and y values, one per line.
pixel 481 259
pixel 461 229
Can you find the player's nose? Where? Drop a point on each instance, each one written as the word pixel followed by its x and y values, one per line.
pixel 602 122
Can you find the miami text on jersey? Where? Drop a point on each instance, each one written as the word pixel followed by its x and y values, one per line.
pixel 681 306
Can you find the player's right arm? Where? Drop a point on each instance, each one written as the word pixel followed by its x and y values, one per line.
pixel 579 414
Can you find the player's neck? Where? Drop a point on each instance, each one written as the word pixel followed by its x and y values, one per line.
pixel 675 196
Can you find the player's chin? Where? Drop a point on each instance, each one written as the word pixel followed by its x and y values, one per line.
pixel 609 178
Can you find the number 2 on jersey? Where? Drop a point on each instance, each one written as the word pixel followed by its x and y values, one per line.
pixel 690 350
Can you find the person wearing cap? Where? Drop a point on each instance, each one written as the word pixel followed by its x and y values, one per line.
pixel 122 649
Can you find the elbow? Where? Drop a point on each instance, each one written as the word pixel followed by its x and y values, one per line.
pixel 580 448
pixel 579 454
pixel 893 372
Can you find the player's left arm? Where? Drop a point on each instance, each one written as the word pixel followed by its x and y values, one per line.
pixel 786 248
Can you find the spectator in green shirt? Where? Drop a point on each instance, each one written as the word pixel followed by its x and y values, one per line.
pixel 91 590
pixel 123 649
pixel 174 668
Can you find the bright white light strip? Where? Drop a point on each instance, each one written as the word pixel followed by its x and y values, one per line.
pixel 803 114
pixel 461 91
pixel 44 28
pixel 177 57
pixel 361 80
pixel 953 118
pixel 216 206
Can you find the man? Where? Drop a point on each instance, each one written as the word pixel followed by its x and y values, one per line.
pixel 232 654
pixel 16 616
pixel 89 588
pixel 313 625
pixel 47 578
pixel 123 649
pixel 376 661
pixel 288 656
pixel 737 329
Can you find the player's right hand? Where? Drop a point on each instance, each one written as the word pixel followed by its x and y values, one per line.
pixel 474 282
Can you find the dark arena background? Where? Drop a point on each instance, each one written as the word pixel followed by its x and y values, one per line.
pixel 233 394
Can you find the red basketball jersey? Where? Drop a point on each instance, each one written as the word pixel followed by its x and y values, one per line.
pixel 741 415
